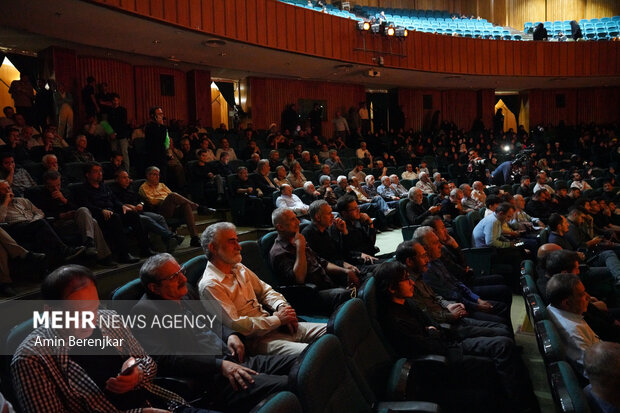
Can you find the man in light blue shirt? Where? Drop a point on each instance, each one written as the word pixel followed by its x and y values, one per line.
pixel 488 232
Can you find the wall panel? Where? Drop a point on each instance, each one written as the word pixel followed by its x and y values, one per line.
pixel 268 98
pixel 274 24
pixel 117 74
pixel 599 105
pixel 148 92
pixel 199 96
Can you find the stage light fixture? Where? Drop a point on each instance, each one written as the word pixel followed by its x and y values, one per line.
pixel 401 32
pixel 390 31
pixel 375 28
pixel 363 26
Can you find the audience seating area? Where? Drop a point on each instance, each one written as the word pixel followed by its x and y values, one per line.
pixel 604 28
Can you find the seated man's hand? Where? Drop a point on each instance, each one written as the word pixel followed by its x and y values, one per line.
pixel 126 382
pixel 107 214
pixel 300 241
pixel 352 278
pixel 288 317
pixel 368 259
pixel 457 310
pixel 236 347
pixel 484 305
pixel 340 225
pixel 365 218
pixel 238 375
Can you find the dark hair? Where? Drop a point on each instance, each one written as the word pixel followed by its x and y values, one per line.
pixel 54 286
pixel 344 201
pixel 524 177
pixel 315 207
pixel 559 261
pixel 555 219
pixel 492 200
pixel 89 166
pixel 431 221
pixel 405 250
pixel 5 155
pixel 441 186
pixel 560 287
pixel 152 111
pixel 51 175
pixel 388 275
pixel 504 207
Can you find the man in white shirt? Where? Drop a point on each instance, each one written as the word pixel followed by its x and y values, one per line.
pixel 425 184
pixel 541 182
pixel 579 183
pixel 244 297
pixel 568 301
pixel 288 199
pixel 409 173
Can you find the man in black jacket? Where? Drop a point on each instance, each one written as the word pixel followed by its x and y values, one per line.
pixel 55 202
pixel 110 213
pixel 157 141
pixel 233 380
pixel 151 221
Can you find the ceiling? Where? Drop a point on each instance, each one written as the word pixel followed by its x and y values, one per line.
pixel 33 25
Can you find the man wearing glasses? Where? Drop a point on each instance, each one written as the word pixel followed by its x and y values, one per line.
pixel 233 380
pixel 244 297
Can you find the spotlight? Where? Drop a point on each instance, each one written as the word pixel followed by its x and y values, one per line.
pixel 401 32
pixel 506 148
pixel 375 28
pixel 364 26
pixel 390 31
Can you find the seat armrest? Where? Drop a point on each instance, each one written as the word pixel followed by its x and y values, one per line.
pixel 407 406
pixel 303 297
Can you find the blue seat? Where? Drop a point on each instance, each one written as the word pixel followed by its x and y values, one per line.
pixel 566 389
pixel 324 381
pixel 282 402
pixel 549 342
pixel 194 269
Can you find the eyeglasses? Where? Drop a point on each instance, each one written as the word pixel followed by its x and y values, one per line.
pixel 173 276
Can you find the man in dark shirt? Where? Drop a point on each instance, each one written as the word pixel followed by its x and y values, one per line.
pixel 206 179
pixel 559 226
pixel 442 282
pixel 413 333
pixel 358 241
pixel 233 380
pixel 110 213
pixel 117 118
pixel 451 206
pixel 540 205
pixel 151 221
pixel 55 202
pixel 413 255
pixel 245 198
pixel 310 193
pixel 295 263
pixel 525 189
pixel 157 141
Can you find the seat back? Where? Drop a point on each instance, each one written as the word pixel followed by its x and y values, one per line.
pixel 282 402
pixel 323 381
pixel 549 342
pixel 566 390
pixel 536 308
pixel 351 324
pixel 254 260
pixel 194 268
pixel 402 212
pixel 543 236
pixel 528 285
pixel 463 231
pixel 127 295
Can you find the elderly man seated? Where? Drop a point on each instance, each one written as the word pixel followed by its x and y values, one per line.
pixel 288 199
pixel 232 380
pixel 245 298
pixel 295 263
pixel 159 198
pixel 417 210
pixel 425 184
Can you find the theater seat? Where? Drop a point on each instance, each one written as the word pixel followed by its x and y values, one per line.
pixel 194 268
pixel 283 402
pixel 389 377
pixel 402 212
pixel 566 390
pixel 549 342
pixel 126 295
pixel 528 285
pixel 325 381
pixel 536 308
pixel 303 297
